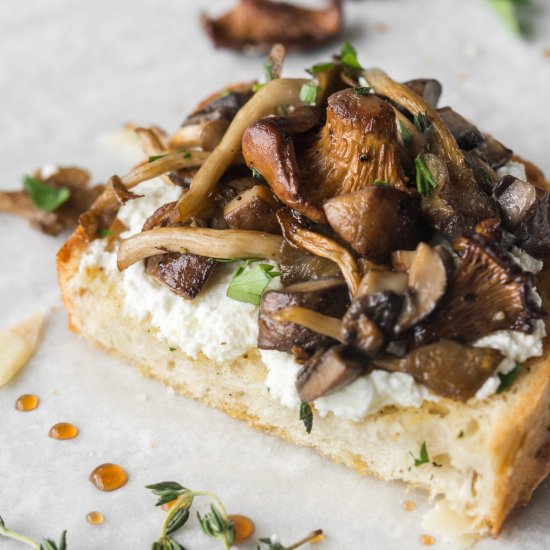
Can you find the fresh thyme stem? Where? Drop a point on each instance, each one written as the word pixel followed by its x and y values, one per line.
pixel 309 537
pixel 5 532
pixel 184 500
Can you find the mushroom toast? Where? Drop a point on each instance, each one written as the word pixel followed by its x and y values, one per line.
pixel 341 262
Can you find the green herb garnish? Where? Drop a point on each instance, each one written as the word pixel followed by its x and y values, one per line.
pixel 102 233
pixel 215 523
pixel 46 544
pixel 348 56
pixel 185 154
pixel 45 197
pixel 425 182
pixel 315 536
pixel 508 13
pixel 172 348
pixel 306 416
pixel 422 122
pixel 506 380
pixel 424 458
pixel 308 94
pixel 380 183
pixel 248 285
pixel 460 434
pixel 406 136
pixel 320 68
pixel 363 90
pixel 258 176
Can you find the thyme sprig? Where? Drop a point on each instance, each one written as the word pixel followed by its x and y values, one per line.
pixel 46 544
pixel 425 182
pixel 314 536
pixel 215 524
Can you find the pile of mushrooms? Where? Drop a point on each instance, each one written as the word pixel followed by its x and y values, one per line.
pixel 384 213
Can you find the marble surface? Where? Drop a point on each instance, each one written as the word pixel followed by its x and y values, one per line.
pixel 71 74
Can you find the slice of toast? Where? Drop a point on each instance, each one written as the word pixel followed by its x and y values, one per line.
pixel 485 457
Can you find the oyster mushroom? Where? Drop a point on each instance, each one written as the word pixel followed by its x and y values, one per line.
pixel 514 198
pixel 327 371
pixel 428 89
pixel 357 146
pixel 465 133
pixel 328 297
pixel 448 368
pixel 255 25
pixel 488 292
pixel 376 220
pixel 254 209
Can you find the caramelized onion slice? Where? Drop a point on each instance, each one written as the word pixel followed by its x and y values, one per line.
pixel 313 320
pixel 281 91
pixel 225 244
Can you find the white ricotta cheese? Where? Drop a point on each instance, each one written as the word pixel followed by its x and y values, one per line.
pixel 513 168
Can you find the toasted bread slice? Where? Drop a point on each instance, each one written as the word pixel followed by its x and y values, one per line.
pixel 486 457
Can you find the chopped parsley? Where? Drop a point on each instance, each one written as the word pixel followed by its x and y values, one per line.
pixel 185 154
pixel 425 182
pixel 320 68
pixel 306 416
pixel 248 284
pixel 348 56
pixel 268 71
pixel 172 349
pixel 460 434
pixel 380 183
pixel 43 196
pixel 362 90
pixel 258 176
pixel 423 458
pixel 308 94
pixel 102 233
pixel 508 13
pixel 421 121
pixel 405 135
pixel 506 380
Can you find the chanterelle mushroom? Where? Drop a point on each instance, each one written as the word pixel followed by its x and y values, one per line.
pixel 357 146
pixel 487 292
pixel 258 24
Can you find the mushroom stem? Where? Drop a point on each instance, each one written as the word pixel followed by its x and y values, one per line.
pixel 152 145
pixel 281 91
pixel 322 324
pixel 327 248
pixel 228 244
pixel 206 135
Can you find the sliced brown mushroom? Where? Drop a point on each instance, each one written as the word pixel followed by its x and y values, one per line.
pixel 488 292
pixel 357 146
pixel 82 195
pixel 255 25
pixel 514 198
pixel 465 133
pixel 328 296
pixel 533 232
pixel 427 285
pixel 327 371
pixel 428 89
pixel 297 266
pixel 493 152
pixel 376 220
pixel 448 368
pixel 253 209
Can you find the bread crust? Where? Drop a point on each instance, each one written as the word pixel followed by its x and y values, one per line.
pixel 518 446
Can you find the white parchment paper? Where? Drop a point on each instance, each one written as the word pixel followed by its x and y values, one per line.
pixel 71 74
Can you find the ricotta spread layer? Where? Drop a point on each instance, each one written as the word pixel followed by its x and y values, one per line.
pixel 223 329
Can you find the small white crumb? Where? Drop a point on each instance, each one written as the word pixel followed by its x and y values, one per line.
pixel 141 397
pixel 170 390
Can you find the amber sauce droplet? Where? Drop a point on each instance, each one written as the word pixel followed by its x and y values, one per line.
pixel 27 402
pixel 108 477
pixel 95 518
pixel 427 540
pixel 319 537
pixel 409 505
pixel 168 505
pixel 63 430
pixel 244 527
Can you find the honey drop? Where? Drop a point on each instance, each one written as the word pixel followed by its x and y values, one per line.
pixel 108 477
pixel 63 430
pixel 427 540
pixel 168 505
pixel 27 402
pixel 319 537
pixel 409 505
pixel 95 518
pixel 244 527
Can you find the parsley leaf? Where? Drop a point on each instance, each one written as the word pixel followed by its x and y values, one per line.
pixel 425 182
pixel 405 135
pixel 421 121
pixel 45 197
pixel 380 183
pixel 507 11
pixel 308 93
pixel 248 285
pixel 424 458
pixel 102 233
pixel 185 154
pixel 348 56
pixel 363 90
pixel 258 176
pixel 506 380
pixel 306 416
pixel 320 68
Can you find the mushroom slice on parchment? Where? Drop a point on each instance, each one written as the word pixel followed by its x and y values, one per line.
pixel 448 368
pixel 488 292
pixel 255 25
